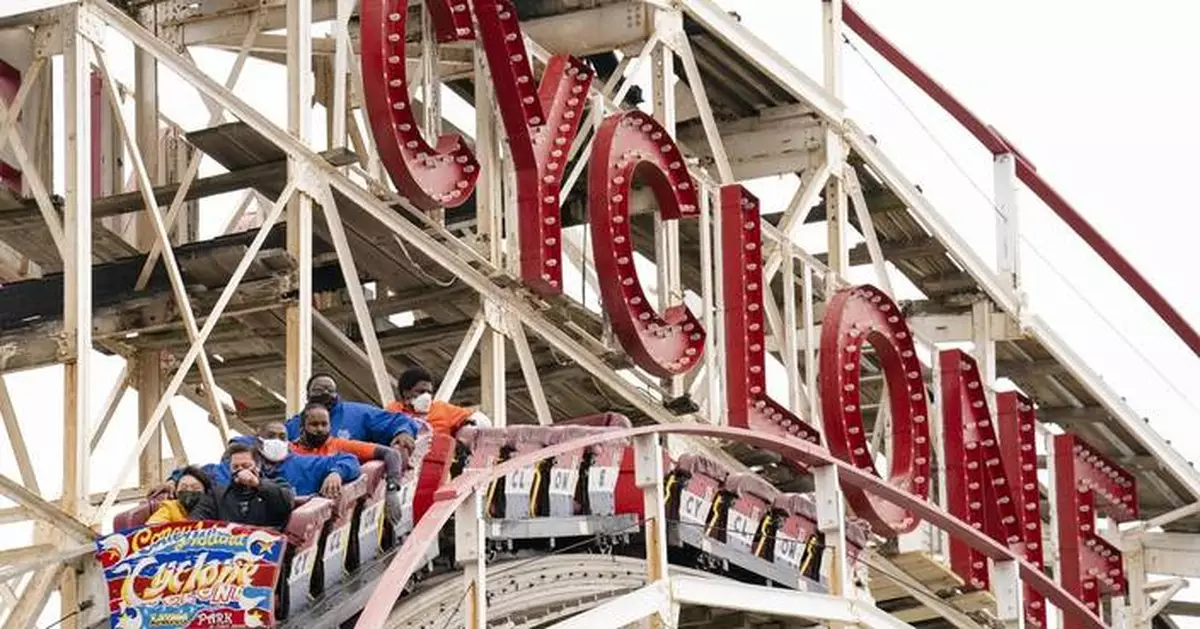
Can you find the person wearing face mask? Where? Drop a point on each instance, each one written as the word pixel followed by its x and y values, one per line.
pixel 316 440
pixel 307 474
pixel 302 474
pixel 355 420
pixel 415 388
pixel 249 498
pixel 192 486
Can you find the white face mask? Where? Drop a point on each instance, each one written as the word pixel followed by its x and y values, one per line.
pixel 274 450
pixel 422 402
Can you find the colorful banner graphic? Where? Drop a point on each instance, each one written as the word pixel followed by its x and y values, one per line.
pixel 189 575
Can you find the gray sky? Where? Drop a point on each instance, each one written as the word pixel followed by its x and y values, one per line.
pixel 1096 93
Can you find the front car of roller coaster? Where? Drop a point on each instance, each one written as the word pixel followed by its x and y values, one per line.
pixel 638 470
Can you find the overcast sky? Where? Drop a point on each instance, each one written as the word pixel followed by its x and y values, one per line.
pixel 1097 94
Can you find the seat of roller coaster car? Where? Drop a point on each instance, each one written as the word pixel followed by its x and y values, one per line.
pixel 600 420
pixel 308 520
pixel 564 434
pixel 796 504
pixel 693 464
pixel 485 444
pixel 742 485
pixel 347 500
pixel 137 516
pixel 525 439
pixel 374 473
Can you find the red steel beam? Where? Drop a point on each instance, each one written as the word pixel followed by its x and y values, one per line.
pixel 995 142
pixel 447 500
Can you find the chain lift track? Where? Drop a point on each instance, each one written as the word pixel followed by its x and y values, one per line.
pixel 584 252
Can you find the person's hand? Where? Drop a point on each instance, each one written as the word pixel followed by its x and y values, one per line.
pixel 404 443
pixel 247 478
pixel 332 487
pixel 163 490
pixel 393 504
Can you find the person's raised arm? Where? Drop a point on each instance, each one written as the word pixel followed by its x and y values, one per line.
pixel 393 461
pixel 384 427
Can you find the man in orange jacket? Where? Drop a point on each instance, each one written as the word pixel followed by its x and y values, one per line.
pixel 416 399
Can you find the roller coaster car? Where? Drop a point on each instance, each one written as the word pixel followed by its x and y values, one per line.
pixel 570 495
pixel 304 533
pixel 741 525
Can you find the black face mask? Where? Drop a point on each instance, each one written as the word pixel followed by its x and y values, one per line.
pixel 189 499
pixel 314 440
pixel 326 399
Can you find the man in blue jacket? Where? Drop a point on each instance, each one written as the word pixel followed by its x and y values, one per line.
pixel 307 474
pixel 302 474
pixel 355 420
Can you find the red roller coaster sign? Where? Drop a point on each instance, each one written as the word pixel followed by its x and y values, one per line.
pixel 991 475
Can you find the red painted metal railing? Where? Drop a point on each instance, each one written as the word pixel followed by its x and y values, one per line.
pixel 995 142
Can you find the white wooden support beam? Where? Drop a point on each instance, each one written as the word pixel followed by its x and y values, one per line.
pixel 343 52
pixel 489 219
pixel 1160 603
pixel 715 19
pixel 867 225
pixel 148 363
pixel 50 558
pixel 362 315
pixel 174 274
pixel 831 520
pixel 985 347
pixel 622 611
pixel 683 48
pixel 533 383
pixel 299 215
pixel 1173 515
pixel 1008 224
pixel 648 475
pixel 827 609
pixel 1175 554
pixel 470 550
pixel 110 407
pixel 810 351
pixel 462 356
pixel 797 396
pixel 77 322
pixel 1133 613
pixel 798 209
pixel 57 516
pixel 666 233
pixel 16 439
pixel 33 599
pixel 1006 587
pixel 710 378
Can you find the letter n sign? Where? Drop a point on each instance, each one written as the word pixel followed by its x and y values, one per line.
pixel 991 475
pixel 1089 564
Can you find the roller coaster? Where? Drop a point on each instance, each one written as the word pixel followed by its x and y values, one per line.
pixel 698 419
